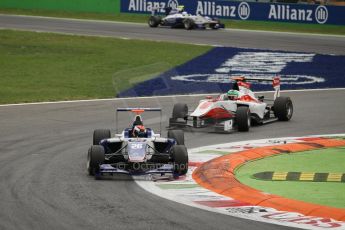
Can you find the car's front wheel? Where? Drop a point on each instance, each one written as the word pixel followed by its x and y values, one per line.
pixel 215 26
pixel 95 157
pixel 178 135
pixel 180 159
pixel 243 119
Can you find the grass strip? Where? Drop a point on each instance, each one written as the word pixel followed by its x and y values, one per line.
pixel 218 152
pixel 52 67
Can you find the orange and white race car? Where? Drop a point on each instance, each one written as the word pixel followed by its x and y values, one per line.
pixel 237 109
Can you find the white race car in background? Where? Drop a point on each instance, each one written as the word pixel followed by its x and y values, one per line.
pixel 223 114
pixel 178 18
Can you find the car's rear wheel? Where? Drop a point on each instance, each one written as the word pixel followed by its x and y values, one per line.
pixel 283 108
pixel 100 134
pixel 243 118
pixel 178 135
pixel 180 110
pixel 180 159
pixel 154 21
pixel 95 157
pixel 188 24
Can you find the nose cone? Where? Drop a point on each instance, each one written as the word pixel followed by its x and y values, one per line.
pixel 213 109
pixel 203 108
pixel 136 152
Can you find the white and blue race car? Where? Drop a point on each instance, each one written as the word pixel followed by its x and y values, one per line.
pixel 137 150
pixel 179 18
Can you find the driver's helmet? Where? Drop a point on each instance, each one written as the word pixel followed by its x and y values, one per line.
pixel 233 94
pixel 180 8
pixel 139 131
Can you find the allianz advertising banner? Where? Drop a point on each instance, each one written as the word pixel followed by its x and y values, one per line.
pixel 299 13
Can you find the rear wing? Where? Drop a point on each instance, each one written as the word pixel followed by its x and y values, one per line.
pixel 138 111
pixel 160 10
pixel 242 81
pixel 154 11
pixel 167 10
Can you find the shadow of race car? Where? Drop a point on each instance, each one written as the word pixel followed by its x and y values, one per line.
pixel 137 150
pixel 178 18
pixel 235 110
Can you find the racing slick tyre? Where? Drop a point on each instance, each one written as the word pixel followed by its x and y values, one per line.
pixel 188 24
pixel 178 135
pixel 195 122
pixel 180 159
pixel 95 157
pixel 154 21
pixel 100 134
pixel 180 110
pixel 215 26
pixel 243 118
pixel 283 108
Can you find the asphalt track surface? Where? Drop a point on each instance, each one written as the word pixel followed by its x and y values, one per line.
pixel 235 38
pixel 43 180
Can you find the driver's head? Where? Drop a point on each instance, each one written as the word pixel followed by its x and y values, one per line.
pixel 233 94
pixel 180 9
pixel 139 131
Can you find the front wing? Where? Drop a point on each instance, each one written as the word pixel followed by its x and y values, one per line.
pixel 221 125
pixel 217 125
pixel 108 169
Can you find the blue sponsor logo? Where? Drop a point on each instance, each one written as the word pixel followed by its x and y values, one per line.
pixel 173 4
pixel 243 10
pixel 321 14
pixel 212 72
